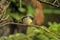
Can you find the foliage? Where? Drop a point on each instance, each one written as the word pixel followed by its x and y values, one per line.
pixel 42 33
pixel 33 33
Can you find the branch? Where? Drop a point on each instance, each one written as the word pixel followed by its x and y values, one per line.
pixel 3 7
pixel 32 25
pixel 20 3
pixel 8 23
pixel 52 4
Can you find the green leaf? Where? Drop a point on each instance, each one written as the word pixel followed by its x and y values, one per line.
pixel 22 9
pixel 30 11
pixel 16 16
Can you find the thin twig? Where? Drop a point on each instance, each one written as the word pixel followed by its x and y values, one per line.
pixel 50 3
pixel 4 5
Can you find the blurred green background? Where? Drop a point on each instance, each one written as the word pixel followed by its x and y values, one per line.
pixel 49 31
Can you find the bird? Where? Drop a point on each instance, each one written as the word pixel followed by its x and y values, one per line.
pixel 27 20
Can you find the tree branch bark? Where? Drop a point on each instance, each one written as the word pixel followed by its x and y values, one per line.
pixel 52 4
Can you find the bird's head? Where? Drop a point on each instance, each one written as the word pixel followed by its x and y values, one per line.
pixel 27 20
